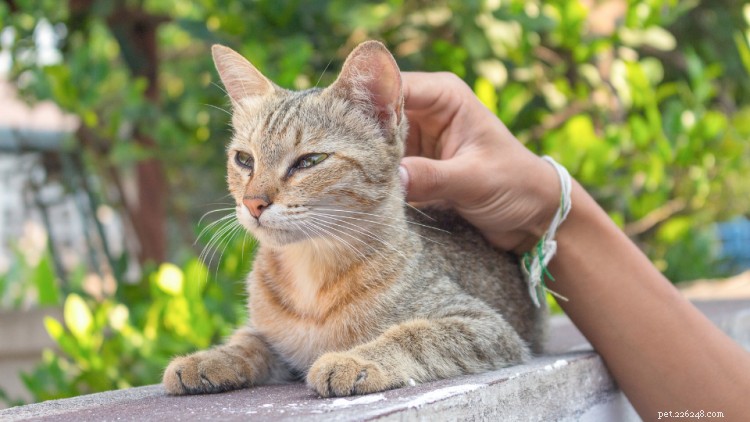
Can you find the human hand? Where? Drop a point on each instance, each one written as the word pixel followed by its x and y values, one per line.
pixel 459 152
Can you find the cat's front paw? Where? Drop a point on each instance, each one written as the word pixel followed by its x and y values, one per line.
pixel 204 372
pixel 346 374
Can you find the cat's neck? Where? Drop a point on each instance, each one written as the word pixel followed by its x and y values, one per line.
pixel 354 239
pixel 310 268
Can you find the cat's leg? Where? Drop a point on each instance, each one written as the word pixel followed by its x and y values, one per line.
pixel 243 361
pixel 420 350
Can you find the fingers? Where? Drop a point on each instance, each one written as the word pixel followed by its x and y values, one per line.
pixel 425 179
pixel 416 89
pixel 423 90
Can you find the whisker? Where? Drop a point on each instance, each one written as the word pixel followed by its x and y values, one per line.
pixel 218 108
pixel 323 73
pixel 317 231
pixel 302 228
pixel 220 87
pixel 384 216
pixel 332 226
pixel 232 234
pixel 405 229
pixel 401 198
pixel 367 233
pixel 221 220
pixel 214 211
pixel 216 238
pixel 244 238
pixel 326 231
pixel 222 240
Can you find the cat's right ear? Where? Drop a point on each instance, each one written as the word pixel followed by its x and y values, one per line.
pixel 241 79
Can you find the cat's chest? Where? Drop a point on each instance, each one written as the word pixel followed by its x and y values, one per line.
pixel 301 344
pixel 300 333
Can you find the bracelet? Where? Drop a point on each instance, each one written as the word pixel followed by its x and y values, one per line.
pixel 534 262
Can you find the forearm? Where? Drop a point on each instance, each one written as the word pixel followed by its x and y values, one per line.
pixel 663 352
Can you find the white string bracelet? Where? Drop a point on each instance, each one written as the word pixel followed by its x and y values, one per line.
pixel 534 262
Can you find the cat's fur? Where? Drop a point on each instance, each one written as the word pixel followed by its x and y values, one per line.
pixel 348 289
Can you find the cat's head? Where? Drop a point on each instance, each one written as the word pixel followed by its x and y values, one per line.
pixel 317 163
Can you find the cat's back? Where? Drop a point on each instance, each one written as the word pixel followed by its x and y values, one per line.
pixel 457 248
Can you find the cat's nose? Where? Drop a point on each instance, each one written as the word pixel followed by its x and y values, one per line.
pixel 256 205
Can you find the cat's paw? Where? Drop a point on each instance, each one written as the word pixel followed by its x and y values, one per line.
pixel 204 372
pixel 346 374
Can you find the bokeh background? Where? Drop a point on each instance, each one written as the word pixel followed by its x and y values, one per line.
pixel 112 132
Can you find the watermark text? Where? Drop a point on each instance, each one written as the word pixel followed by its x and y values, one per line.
pixel 689 414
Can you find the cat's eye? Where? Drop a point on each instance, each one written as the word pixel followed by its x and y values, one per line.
pixel 310 160
pixel 245 160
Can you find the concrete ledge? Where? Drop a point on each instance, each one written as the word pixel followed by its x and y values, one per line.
pixel 562 385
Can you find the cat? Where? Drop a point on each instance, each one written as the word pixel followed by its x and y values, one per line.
pixel 350 288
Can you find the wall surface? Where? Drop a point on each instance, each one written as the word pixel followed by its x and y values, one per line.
pixel 569 383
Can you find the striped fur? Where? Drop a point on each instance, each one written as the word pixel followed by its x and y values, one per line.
pixel 348 289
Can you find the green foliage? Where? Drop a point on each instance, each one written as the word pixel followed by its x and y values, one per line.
pixel 127 340
pixel 649 111
pixel 29 282
pixel 644 113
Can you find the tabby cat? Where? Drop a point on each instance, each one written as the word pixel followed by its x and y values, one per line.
pixel 350 289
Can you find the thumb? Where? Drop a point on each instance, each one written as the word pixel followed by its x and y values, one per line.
pixel 425 179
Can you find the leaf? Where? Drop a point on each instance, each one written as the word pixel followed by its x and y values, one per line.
pixel 743 50
pixel 170 279
pixel 486 93
pixel 44 279
pixel 54 328
pixel 78 317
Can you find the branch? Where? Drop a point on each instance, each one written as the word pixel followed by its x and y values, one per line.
pixel 655 217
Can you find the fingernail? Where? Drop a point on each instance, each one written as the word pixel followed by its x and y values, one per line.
pixel 404 175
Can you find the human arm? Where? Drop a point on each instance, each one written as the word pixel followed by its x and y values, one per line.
pixel 663 352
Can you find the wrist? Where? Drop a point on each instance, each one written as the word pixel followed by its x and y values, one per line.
pixel 544 191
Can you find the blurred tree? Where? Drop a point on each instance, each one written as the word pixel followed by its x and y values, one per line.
pixel 645 101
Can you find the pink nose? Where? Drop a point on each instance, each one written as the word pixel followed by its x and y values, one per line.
pixel 255 205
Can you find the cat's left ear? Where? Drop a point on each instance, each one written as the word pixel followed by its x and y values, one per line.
pixel 370 77
pixel 240 77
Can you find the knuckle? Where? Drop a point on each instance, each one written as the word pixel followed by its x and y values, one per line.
pixel 433 179
pixel 451 79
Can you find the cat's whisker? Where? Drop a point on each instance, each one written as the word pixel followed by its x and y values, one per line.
pixel 231 236
pixel 222 245
pixel 317 231
pixel 369 234
pixel 327 231
pixel 222 240
pixel 212 212
pixel 221 221
pixel 302 229
pixel 364 232
pixel 213 235
pixel 403 229
pixel 252 243
pixel 218 108
pixel 220 87
pixel 401 198
pixel 216 238
pixel 244 239
pixel 382 216
pixel 333 225
pixel 323 73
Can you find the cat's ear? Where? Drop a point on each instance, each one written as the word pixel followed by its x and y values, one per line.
pixel 240 77
pixel 370 77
